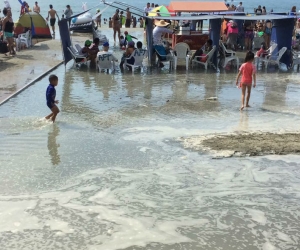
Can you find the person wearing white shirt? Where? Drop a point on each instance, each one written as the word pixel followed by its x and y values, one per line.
pixel 240 8
pixel 102 55
pixel 159 30
pixel 147 9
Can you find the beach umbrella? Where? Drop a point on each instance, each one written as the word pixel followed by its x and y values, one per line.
pixel 163 11
pixel 172 12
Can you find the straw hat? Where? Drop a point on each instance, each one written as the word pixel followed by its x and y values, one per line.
pixel 161 23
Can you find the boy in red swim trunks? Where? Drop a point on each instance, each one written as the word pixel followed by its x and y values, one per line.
pixel 50 97
pixel 248 71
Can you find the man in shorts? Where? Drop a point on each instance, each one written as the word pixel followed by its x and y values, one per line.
pixel 52 13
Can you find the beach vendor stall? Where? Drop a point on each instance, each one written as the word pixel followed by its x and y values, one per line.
pixel 188 32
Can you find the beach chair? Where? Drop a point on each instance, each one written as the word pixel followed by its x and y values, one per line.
pixel 229 56
pixel 79 49
pixel 163 56
pixel 138 56
pixel 269 52
pixel 296 59
pixel 105 63
pixel 274 59
pixel 206 59
pixel 24 38
pixel 182 51
pixel 78 58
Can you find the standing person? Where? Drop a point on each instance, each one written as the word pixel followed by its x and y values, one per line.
pixel 293 11
pixel 147 9
pixel 232 34
pixel 240 8
pixel 52 13
pixel 128 18
pixel 152 6
pixel 134 22
pixel 264 11
pixel 36 8
pixel 98 18
pixel 8 28
pixel 50 97
pixel 68 13
pixel 121 18
pixel 248 72
pixel 116 25
pixel 267 33
pixel 258 11
pixel 248 34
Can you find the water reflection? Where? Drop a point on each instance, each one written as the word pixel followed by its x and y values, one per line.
pixel 53 145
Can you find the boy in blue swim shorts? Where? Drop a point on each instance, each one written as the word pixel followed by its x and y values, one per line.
pixel 50 97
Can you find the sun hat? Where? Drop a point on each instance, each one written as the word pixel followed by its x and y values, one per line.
pixel 87 43
pixel 106 44
pixel 161 23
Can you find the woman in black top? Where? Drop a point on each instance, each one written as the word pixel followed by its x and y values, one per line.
pixel 8 28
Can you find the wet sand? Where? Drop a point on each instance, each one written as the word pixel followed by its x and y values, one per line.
pixel 30 63
pixel 252 144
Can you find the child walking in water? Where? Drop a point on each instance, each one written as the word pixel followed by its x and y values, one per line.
pixel 248 71
pixel 50 97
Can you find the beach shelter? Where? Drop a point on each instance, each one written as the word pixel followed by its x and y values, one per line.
pixel 34 22
pixel 162 11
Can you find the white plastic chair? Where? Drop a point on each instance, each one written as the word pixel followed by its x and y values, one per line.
pixel 269 53
pixel 296 59
pixel 168 58
pixel 208 58
pixel 182 51
pixel 79 49
pixel 105 62
pixel 138 56
pixel 77 56
pixel 229 55
pixel 274 59
pixel 25 38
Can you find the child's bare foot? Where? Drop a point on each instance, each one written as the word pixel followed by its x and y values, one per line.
pixel 241 109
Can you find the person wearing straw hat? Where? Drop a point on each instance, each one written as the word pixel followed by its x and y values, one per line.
pixel 160 30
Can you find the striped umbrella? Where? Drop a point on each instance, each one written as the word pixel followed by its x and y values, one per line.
pixel 159 11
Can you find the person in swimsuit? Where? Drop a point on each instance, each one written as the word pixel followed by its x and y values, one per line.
pixel 8 28
pixel 128 18
pixel 247 71
pixel 52 13
pixel 36 8
pixel 50 97
pixel 116 25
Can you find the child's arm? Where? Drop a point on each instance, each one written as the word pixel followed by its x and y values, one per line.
pixel 238 77
pixel 254 80
pixel 134 37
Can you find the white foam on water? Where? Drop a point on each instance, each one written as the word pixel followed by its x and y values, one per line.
pixel 257 216
pixel 15 217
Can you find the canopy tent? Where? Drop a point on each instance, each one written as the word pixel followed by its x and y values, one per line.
pixel 34 22
pixel 197 6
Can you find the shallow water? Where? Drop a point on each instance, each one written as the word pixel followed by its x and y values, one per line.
pixel 111 174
